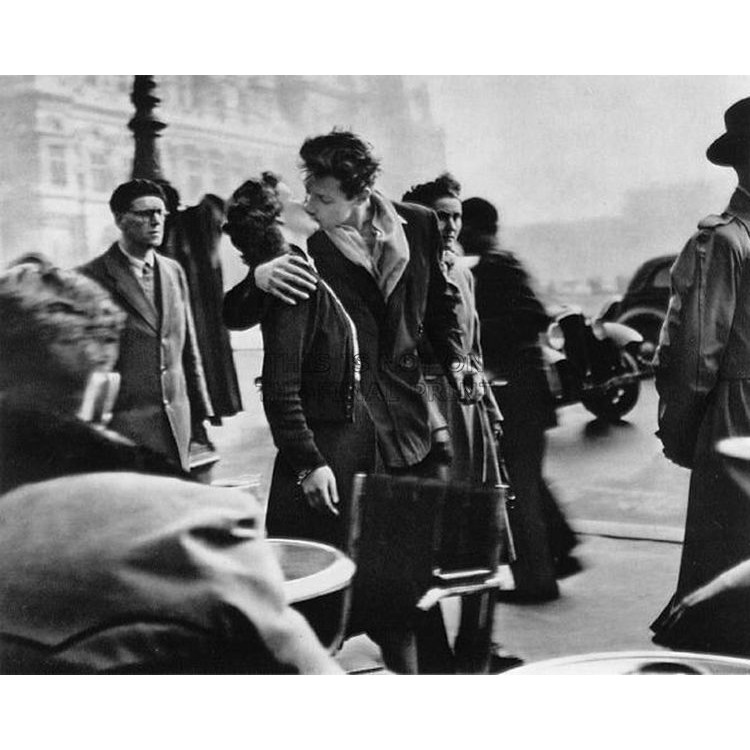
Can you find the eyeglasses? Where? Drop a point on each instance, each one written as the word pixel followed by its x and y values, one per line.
pixel 150 213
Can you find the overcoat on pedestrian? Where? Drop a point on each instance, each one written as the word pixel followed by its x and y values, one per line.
pixel 512 318
pixel 703 380
pixel 195 246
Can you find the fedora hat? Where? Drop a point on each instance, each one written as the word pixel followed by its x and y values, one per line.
pixel 734 145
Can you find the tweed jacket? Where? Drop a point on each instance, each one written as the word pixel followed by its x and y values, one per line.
pixel 163 389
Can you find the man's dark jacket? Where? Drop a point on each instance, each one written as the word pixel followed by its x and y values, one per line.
pixel 423 303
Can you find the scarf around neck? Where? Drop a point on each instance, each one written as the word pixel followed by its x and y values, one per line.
pixel 388 259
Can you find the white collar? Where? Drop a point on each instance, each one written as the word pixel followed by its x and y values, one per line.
pixel 138 263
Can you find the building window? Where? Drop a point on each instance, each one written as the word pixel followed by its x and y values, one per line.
pixel 101 179
pixel 58 166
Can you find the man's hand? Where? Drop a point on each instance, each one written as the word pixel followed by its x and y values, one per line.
pixel 288 277
pixel 320 490
pixel 468 382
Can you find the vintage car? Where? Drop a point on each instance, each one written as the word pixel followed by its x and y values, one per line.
pixel 644 304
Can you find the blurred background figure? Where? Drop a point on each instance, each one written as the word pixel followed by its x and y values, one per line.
pixel 163 387
pixel 109 563
pixel 194 244
pixel 511 318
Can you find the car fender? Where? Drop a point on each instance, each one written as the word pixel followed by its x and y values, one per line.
pixel 642 312
pixel 621 334
pixel 610 308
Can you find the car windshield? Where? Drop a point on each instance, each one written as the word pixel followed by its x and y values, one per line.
pixel 654 272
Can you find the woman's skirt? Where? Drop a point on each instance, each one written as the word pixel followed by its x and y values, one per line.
pixel 349 448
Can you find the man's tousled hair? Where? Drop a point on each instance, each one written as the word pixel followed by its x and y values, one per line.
pixel 343 155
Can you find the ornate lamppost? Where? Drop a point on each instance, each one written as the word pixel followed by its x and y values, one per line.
pixel 146 127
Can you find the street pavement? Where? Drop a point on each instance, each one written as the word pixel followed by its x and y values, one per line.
pixel 628 514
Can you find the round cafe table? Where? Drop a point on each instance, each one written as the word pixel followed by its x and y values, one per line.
pixel 317 583
pixel 636 662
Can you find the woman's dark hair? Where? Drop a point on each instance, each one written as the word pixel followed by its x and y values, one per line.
pixel 252 219
pixel 425 194
pixel 342 155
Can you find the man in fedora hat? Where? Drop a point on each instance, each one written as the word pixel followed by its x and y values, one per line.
pixel 703 375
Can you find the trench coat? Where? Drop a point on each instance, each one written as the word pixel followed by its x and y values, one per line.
pixel 703 380
pixel 195 246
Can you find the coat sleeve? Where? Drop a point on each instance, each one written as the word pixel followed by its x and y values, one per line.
pixel 195 377
pixel 244 305
pixel 287 332
pixel 704 288
pixel 443 297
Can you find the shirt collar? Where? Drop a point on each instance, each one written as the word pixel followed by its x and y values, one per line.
pixel 379 217
pixel 138 263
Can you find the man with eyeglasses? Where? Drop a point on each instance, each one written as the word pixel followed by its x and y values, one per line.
pixel 163 388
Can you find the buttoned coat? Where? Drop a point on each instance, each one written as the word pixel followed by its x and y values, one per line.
pixel 703 380
pixel 163 388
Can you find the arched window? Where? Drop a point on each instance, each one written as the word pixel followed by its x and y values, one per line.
pixel 57 163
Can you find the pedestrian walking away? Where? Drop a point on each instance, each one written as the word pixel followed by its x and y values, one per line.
pixel 511 318
pixel 703 373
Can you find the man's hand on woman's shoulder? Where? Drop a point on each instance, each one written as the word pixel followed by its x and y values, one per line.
pixel 288 277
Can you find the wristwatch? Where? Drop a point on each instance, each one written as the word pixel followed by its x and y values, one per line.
pixel 304 474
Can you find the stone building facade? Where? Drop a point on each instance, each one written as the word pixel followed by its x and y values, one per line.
pixel 66 143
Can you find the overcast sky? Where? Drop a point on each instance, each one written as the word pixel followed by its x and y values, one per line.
pixel 569 147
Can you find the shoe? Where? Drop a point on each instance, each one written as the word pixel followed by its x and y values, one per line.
pixel 502 663
pixel 567 565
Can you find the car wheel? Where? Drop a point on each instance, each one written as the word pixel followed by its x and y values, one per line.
pixel 649 327
pixel 615 401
